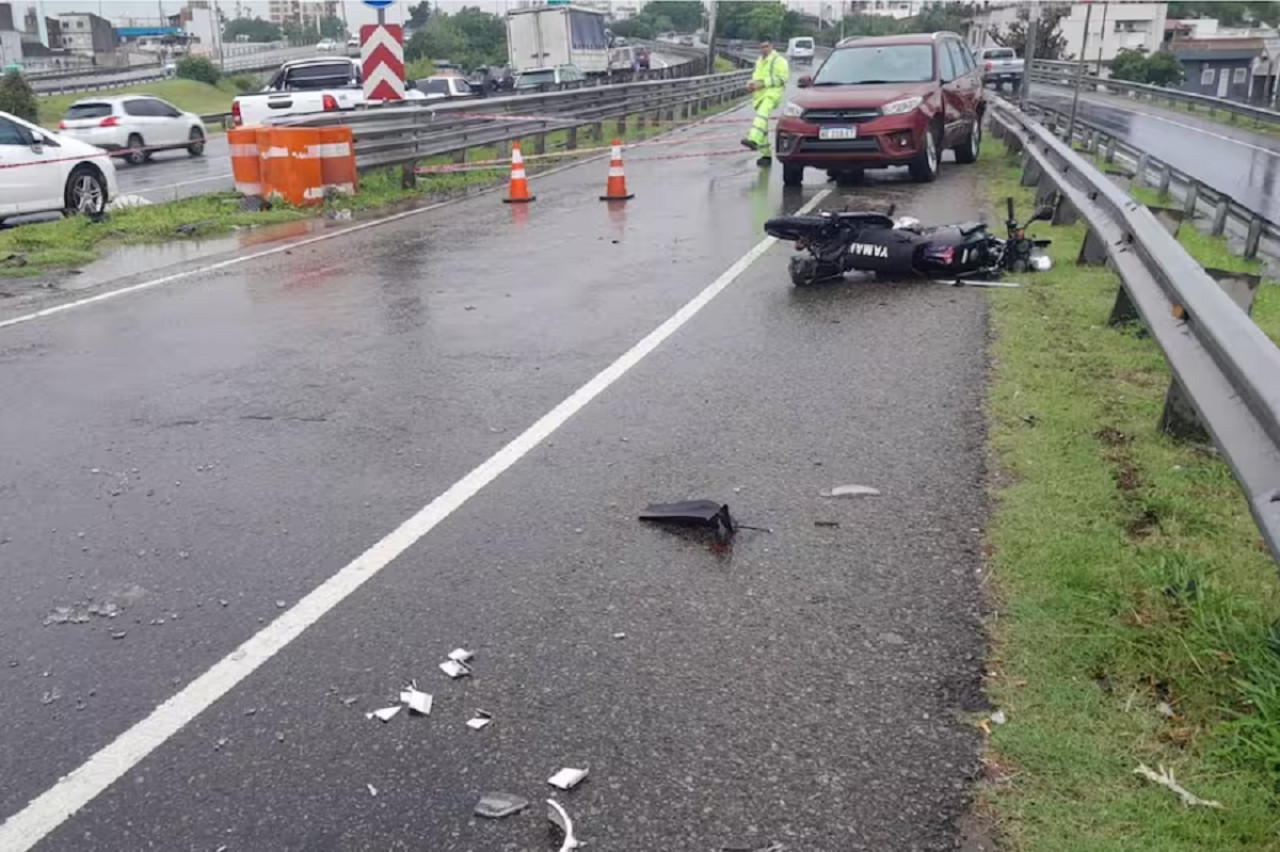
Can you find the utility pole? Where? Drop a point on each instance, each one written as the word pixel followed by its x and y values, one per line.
pixel 1075 96
pixel 1029 52
pixel 711 38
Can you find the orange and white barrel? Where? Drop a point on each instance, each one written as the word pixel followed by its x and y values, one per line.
pixel 338 160
pixel 246 168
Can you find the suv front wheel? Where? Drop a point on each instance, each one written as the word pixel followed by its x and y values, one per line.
pixel 924 168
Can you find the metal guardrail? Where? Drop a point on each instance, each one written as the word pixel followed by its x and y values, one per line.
pixel 94 79
pixel 1228 217
pixel 415 130
pixel 1222 363
pixel 1059 73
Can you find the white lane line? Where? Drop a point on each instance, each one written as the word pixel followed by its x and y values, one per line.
pixel 73 791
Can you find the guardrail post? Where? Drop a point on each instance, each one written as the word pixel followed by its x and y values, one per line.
pixel 1031 170
pixel 571 139
pixel 1122 312
pixel 1166 175
pixel 1220 212
pixel 1170 217
pixel 1110 155
pixel 540 143
pixel 597 133
pixel 1140 170
pixel 1179 418
pixel 1012 144
pixel 621 128
pixel 1193 196
pixel 1253 237
pixel 1093 251
pixel 1046 191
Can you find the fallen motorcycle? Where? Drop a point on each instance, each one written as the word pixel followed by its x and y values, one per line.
pixel 836 243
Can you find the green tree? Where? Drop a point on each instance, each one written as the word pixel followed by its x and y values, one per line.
pixel 419 15
pixel 1050 42
pixel 199 68
pixel 255 29
pixel 1164 69
pixel 952 16
pixel 1130 64
pixel 17 97
pixel 685 15
pixel 470 37
pixel 332 27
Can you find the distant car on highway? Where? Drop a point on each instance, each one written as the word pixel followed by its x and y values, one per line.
pixel 885 101
pixel 134 126
pixel 320 84
pixel 1000 65
pixel 800 50
pixel 326 45
pixel 643 58
pixel 42 171
pixel 448 87
pixel 549 79
pixel 353 41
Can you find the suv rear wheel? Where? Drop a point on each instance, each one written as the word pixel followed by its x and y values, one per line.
pixel 924 168
pixel 968 149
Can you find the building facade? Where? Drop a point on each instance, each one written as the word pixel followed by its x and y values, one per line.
pixel 1110 28
pixel 86 34
pixel 285 13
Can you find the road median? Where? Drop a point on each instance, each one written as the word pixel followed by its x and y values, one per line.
pixel 1135 606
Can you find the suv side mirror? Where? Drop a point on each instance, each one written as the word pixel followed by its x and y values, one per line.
pixel 805 82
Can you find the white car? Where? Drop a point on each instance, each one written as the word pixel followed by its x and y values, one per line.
pixel 134 126
pixel 42 171
pixel 353 41
pixel 326 45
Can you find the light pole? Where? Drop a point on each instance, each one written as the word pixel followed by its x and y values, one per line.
pixel 1029 52
pixel 1075 96
pixel 711 38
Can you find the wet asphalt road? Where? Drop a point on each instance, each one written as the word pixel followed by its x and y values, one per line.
pixel 206 452
pixel 176 174
pixel 1240 163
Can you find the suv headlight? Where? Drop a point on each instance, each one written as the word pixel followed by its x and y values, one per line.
pixel 899 107
pixel 792 110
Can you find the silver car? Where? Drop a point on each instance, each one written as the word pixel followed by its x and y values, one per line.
pixel 134 126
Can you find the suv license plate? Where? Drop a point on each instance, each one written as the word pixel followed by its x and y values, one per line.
pixel 837 133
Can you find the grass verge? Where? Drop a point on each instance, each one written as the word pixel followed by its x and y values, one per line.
pixel 188 95
pixel 35 250
pixel 1136 606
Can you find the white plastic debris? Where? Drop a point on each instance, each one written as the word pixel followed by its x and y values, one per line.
pixel 561 820
pixel 1165 779
pixel 373 791
pixel 1165 710
pixel 482 718
pixel 455 669
pixel 499 805
pixel 619 635
pixel 461 655
pixel 999 718
pixel 385 714
pixel 852 491
pixel 567 779
pixel 417 701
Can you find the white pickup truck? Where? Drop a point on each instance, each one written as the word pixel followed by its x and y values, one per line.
pixel 305 86
pixel 1000 65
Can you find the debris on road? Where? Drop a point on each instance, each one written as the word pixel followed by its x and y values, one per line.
pixel 78 613
pixel 560 819
pixel 1165 779
pixel 455 669
pixel 461 655
pixel 703 514
pixel 416 700
pixel 482 718
pixel 771 847
pixel 373 791
pixel 619 636
pixel 852 491
pixel 385 714
pixel 567 779
pixel 999 718
pixel 50 696
pixel 499 805
pixel 826 523
pixel 1165 710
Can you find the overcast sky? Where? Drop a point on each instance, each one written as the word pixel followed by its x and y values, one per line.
pixel 147 11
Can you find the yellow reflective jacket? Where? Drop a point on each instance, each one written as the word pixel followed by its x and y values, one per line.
pixel 772 70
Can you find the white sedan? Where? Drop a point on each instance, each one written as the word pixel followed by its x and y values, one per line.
pixel 42 172
pixel 134 126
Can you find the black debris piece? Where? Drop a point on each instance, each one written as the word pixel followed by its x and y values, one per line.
pixel 701 514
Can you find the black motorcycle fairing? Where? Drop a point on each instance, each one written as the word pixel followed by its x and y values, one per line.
pixel 884 250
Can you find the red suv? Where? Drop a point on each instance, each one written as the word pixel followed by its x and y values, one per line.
pixel 888 101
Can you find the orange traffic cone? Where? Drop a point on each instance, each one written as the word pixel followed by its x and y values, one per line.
pixel 616 189
pixel 519 192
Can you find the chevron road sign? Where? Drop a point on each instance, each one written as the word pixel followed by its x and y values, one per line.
pixel 382 58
